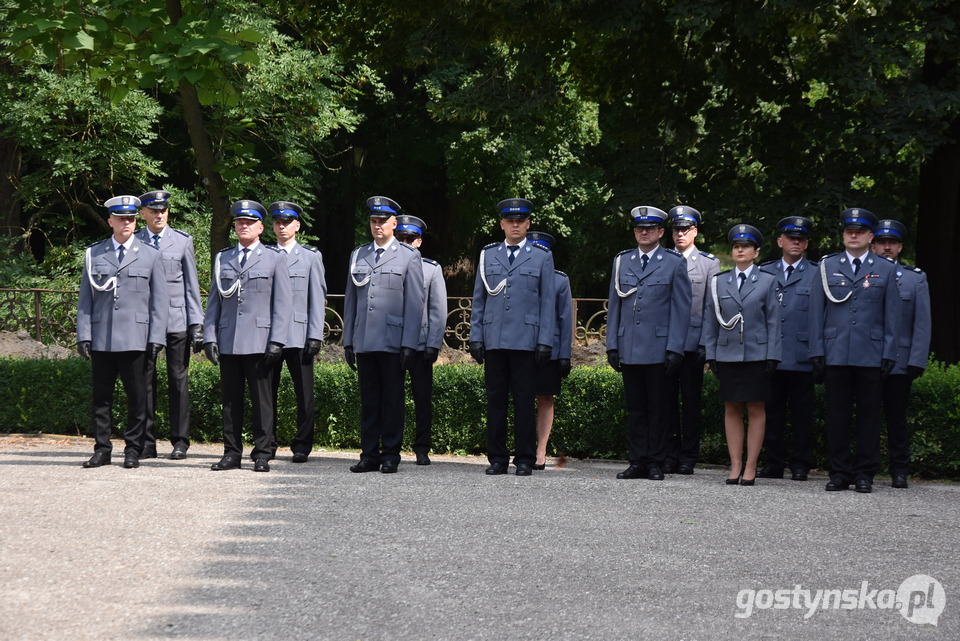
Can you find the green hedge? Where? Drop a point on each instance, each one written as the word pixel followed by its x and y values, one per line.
pixel 53 396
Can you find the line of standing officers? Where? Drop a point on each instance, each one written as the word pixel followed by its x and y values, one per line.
pixel 858 321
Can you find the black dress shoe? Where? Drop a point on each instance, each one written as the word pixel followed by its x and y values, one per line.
pixel 365 465
pixel 524 469
pixel 261 465
pixel 179 452
pixel 131 460
pixel 422 458
pixel 837 486
pixel 864 486
pixel 768 472
pixel 632 472
pixel 655 473
pixel 684 469
pixel 496 469
pixel 149 452
pixel 389 468
pixel 226 463
pixel 98 459
pixel 899 481
pixel 299 457
pixel 542 466
pixel 799 475
pixel 748 482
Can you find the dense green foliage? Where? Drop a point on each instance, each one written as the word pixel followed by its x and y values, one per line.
pixel 590 416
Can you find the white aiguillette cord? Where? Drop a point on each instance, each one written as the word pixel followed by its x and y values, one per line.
pixel 826 288
pixel 224 293
pixel 353 266
pixel 483 276
pixel 111 283
pixel 616 281
pixel 730 324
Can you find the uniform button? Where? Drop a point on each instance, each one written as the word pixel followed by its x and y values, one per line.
pixel 507 308
pixel 116 308
pixel 239 313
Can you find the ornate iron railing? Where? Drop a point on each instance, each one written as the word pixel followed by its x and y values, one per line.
pixel 50 316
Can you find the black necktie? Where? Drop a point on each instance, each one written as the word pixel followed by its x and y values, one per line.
pixel 743 279
pixel 243 259
pixel 856 266
pixel 379 253
pixel 643 262
pixel 513 252
pixel 120 252
pixel 789 271
pixel 156 241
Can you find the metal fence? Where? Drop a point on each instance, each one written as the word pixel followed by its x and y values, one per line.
pixel 50 316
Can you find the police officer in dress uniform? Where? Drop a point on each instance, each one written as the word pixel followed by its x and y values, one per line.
pixel 305 336
pixel 184 322
pixel 410 230
pixel 683 447
pixel 121 325
pixel 511 330
pixel 854 324
pixel 245 328
pixel 647 320
pixel 549 375
pixel 913 343
pixel 383 314
pixel 792 384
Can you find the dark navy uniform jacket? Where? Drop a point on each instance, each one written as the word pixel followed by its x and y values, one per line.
pixel 793 294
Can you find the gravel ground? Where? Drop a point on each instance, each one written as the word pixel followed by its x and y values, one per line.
pixel 174 551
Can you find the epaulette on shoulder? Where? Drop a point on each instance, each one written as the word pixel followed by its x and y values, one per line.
pixel 312 249
pixel 726 271
pixel 228 248
pixel 886 258
pixel 408 247
pixel 911 268
pixel 708 255
pixel 560 273
pixel 275 248
pixel 826 256
pixel 627 251
pixel 150 245
pixel 180 231
pixel 770 262
pixel 491 245
pixel 97 242
pixel 671 250
pixel 540 247
pixel 431 261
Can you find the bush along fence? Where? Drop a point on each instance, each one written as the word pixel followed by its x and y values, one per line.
pixel 54 397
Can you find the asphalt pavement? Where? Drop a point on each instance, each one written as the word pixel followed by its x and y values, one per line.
pixel 173 550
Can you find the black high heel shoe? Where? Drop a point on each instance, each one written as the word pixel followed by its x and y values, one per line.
pixel 736 481
pixel 542 466
pixel 744 481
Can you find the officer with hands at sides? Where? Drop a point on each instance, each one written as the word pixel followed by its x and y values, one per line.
pixel 511 331
pixel 184 322
pixel 854 330
pixel 305 336
pixel 648 311
pixel 913 342
pixel 383 314
pixel 410 230
pixel 245 328
pixel 121 326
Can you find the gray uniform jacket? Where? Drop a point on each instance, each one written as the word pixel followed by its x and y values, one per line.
pixel 915 321
pixel 183 285
pixel 259 311
pixel 563 336
pixel 648 310
pixel 434 321
pixel 522 314
pixel 756 337
pixel 862 331
pixel 124 319
pixel 383 310
pixel 794 298
pixel 701 267
pixel 309 289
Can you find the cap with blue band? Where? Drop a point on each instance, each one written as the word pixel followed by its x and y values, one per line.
pixel 122 205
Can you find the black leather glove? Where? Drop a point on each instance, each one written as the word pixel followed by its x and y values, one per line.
pixel 310 349
pixel 212 352
pixel 701 357
pixel 476 350
pixel 819 368
pixel 914 372
pixel 613 357
pixel 351 357
pixel 564 367
pixel 771 368
pixel 195 332
pixel 153 350
pixel 407 354
pixel 671 364
pixel 83 348
pixel 273 354
pixel 541 354
pixel 713 367
pixel 430 355
pixel 886 367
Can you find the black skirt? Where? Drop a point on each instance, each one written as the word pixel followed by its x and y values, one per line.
pixel 547 379
pixel 743 382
